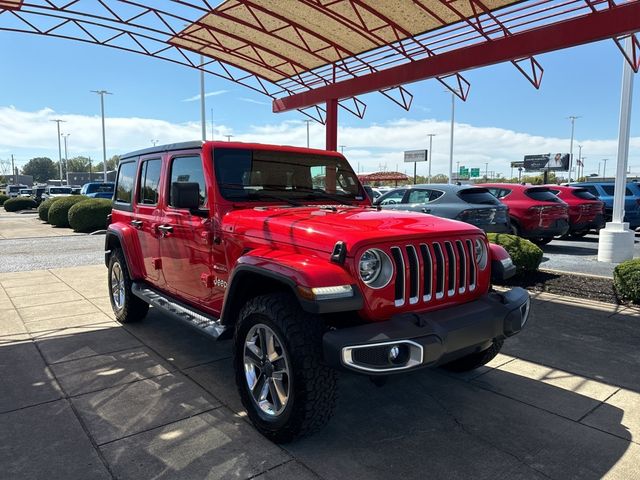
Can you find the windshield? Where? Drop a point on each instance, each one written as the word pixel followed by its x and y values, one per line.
pixel 258 175
pixel 478 195
pixel 59 190
pixel 98 187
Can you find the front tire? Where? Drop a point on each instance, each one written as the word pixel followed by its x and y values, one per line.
pixel 475 360
pixel 126 306
pixel 286 389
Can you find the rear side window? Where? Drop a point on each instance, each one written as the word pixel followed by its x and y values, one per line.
pixel 592 190
pixel 478 195
pixel 149 180
pixel 541 195
pixel 418 196
pixel 584 194
pixel 610 190
pixel 188 169
pixel 125 182
pixel 499 192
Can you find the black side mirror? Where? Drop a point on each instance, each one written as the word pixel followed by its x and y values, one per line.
pixel 185 195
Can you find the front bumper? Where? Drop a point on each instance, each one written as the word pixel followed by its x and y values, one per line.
pixel 427 339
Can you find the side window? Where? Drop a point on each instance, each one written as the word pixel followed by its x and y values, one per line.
pixel 418 196
pixel 502 192
pixel 592 190
pixel 435 194
pixel 125 182
pixel 148 183
pixel 188 169
pixel 393 198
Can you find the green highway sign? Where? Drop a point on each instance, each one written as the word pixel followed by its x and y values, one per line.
pixel 475 172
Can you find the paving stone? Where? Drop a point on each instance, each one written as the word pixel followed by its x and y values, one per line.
pixel 104 371
pixel 67 309
pixel 547 390
pixel 61 323
pixel 47 442
pixel 24 378
pixel 31 283
pixel 49 287
pixel 218 378
pixel 49 299
pixel 176 342
pixel 10 323
pixel 132 408
pixel 81 342
pixel 605 418
pixel 212 445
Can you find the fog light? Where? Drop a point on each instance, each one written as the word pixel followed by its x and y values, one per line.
pixel 398 354
pixel 394 353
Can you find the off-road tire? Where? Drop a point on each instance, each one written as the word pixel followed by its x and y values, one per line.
pixel 312 395
pixel 133 309
pixel 475 360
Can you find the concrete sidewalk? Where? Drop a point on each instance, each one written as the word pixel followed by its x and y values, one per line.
pixel 28 225
pixel 83 397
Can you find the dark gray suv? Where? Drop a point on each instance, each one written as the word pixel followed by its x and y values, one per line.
pixel 474 205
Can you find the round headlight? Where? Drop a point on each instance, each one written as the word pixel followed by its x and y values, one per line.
pixel 481 254
pixel 375 268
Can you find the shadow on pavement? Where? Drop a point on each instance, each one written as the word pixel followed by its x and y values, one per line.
pixel 160 402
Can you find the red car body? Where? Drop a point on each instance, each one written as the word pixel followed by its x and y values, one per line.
pixel 535 212
pixel 586 212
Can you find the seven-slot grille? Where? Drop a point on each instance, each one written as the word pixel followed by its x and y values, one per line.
pixel 426 271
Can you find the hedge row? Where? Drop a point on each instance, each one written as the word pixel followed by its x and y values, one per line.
pixel 3 198
pixel 19 203
pixel 78 212
pixel 626 280
pixel 526 256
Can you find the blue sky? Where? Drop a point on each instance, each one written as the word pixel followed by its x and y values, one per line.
pixel 503 119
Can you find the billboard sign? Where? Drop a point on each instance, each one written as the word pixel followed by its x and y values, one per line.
pixel 547 161
pixel 517 164
pixel 411 156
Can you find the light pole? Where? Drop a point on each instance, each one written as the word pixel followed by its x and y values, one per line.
pixel 486 170
pixel 453 114
pixel 342 149
pixel 573 124
pixel 430 135
pixel 59 147
pixel 154 142
pixel 307 122
pixel 604 168
pixel 102 93
pixel 66 156
pixel 228 137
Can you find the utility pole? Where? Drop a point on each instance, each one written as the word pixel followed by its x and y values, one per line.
pixel 66 155
pixel 59 147
pixel 486 170
pixel 13 171
pixel 102 93
pixel 342 149
pixel 307 122
pixel 430 135
pixel 573 124
pixel 203 115
pixel 453 114
pixel 90 169
pixel 228 137
pixel 604 168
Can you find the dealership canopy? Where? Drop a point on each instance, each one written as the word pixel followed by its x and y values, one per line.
pixel 313 55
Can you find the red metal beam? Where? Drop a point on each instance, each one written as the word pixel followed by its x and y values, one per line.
pixel 331 125
pixel 620 20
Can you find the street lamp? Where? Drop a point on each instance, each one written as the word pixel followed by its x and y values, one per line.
pixel 573 124
pixel 102 93
pixel 430 135
pixel 154 142
pixel 59 147
pixel 66 156
pixel 604 168
pixel 307 122
pixel 228 137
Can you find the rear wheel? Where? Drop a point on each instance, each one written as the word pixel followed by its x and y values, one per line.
pixel 515 230
pixel 286 389
pixel 475 360
pixel 126 306
pixel 579 234
pixel 542 240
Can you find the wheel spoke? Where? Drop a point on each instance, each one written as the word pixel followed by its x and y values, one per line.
pixel 252 353
pixel 263 342
pixel 275 398
pixel 281 391
pixel 258 388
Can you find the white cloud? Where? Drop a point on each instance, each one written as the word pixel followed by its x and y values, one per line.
pixel 30 134
pixel 251 100
pixel 215 93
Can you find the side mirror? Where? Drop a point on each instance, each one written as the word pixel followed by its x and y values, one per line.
pixel 185 195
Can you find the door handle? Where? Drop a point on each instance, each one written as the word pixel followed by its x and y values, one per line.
pixel 136 223
pixel 165 229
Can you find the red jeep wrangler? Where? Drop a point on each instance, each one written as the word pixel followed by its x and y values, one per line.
pixel 280 249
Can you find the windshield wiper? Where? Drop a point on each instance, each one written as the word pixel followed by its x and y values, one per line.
pixel 313 193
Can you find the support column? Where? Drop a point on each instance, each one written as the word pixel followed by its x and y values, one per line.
pixel 331 125
pixel 616 240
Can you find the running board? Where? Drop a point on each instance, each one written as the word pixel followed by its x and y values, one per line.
pixel 204 323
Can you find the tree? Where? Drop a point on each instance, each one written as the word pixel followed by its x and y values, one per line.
pixel 439 178
pixel 78 164
pixel 112 164
pixel 41 168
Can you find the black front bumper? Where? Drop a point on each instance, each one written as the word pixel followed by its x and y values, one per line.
pixel 427 339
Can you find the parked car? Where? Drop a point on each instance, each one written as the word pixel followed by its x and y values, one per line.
pixel 586 212
pixel 536 213
pixel 604 191
pixel 98 189
pixel 279 249
pixel 474 205
pixel 13 191
pixel 52 192
pixel 25 192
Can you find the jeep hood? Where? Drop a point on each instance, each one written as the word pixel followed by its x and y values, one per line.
pixel 319 228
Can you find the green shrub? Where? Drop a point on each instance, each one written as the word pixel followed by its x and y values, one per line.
pixel 43 209
pixel 19 203
pixel 626 279
pixel 526 256
pixel 59 211
pixel 3 198
pixel 90 215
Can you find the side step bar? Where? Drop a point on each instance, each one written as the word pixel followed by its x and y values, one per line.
pixel 204 323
